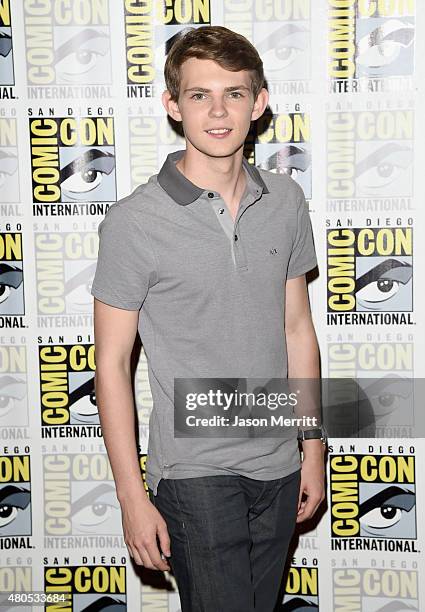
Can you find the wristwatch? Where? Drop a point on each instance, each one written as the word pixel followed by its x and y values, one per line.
pixel 318 433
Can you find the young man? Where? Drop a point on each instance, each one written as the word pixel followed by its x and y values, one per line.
pixel 213 253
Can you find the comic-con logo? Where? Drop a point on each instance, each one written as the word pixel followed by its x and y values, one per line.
pixel 13 389
pixel 15 499
pixel 9 167
pixel 370 269
pixel 12 300
pixel 88 587
pixel 151 139
pixel 148 42
pixel 80 498
pixel 373 496
pixel 370 155
pixel 65 264
pixel 301 590
pixel 372 588
pixel 372 40
pixel 72 160
pixel 350 359
pixel 281 33
pixel 7 76
pixel 67 45
pixel 283 146
pixel 67 392
pixel 19 576
pixel 282 37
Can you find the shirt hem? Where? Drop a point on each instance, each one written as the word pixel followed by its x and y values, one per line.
pixel 177 473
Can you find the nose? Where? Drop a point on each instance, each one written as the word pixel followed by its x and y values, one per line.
pixel 217 107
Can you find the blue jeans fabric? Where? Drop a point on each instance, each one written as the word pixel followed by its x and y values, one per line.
pixel 229 539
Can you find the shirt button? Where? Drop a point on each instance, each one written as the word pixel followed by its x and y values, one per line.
pixel 221 211
pixel 210 194
pixel 236 237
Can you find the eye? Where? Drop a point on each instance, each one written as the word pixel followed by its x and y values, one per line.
pixel 383 167
pixel 87 172
pixel 10 278
pixel 78 287
pixel 379 291
pixel 381 518
pixel 281 48
pixel 5 291
pixel 8 513
pixel 291 160
pixel 387 508
pixel 81 55
pixel 82 402
pixel 83 181
pixel 390 395
pixel 197 96
pixel 12 390
pixel 8 166
pixel 383 282
pixel 85 408
pixel 5 42
pixel 95 508
pixel 13 501
pixel 383 45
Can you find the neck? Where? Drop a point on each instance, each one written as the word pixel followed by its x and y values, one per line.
pixel 222 174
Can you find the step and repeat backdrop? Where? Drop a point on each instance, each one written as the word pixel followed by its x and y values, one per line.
pixel 81 125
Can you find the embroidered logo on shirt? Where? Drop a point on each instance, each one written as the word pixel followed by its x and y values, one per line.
pixel 273 251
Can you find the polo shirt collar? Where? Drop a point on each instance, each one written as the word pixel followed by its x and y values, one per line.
pixel 183 191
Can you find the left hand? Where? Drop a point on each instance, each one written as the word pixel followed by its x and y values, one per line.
pixel 312 485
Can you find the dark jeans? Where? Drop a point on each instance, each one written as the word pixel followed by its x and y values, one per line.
pixel 229 539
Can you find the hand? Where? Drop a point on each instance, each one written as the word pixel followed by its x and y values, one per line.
pixel 142 522
pixel 312 485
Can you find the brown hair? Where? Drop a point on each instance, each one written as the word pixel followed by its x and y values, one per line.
pixel 230 50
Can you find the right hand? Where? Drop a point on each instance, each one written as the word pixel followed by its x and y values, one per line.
pixel 142 522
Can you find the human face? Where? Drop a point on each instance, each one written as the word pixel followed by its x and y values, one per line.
pixel 216 107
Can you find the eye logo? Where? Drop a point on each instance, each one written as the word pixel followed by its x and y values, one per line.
pixel 291 160
pixel 13 396
pixel 373 41
pixel 285 51
pixel 86 175
pixel 84 58
pixel 301 590
pixel 11 275
pixel 374 151
pixel 384 48
pixel 283 146
pixel 75 46
pixel 15 496
pixel 88 482
pixel 7 76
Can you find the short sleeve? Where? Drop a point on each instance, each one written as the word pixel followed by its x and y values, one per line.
pixel 125 265
pixel 303 255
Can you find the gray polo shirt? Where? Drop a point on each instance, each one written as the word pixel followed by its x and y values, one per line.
pixel 211 294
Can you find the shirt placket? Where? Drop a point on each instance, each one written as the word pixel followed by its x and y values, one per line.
pixel 232 228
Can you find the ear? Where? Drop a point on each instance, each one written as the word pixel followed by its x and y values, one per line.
pixel 171 106
pixel 260 104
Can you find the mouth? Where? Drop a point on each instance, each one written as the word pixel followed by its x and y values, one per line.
pixel 219 132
